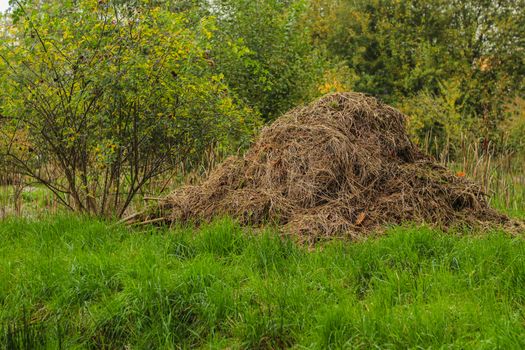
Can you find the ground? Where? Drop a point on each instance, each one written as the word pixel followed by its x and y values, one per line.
pixel 80 283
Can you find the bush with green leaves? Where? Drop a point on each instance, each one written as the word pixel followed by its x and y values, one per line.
pixel 110 95
pixel 435 119
pixel 406 52
pixel 264 50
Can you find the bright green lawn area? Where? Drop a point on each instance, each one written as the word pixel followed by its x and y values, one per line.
pixel 103 286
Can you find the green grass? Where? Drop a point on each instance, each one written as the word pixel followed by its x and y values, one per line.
pixel 34 201
pixel 510 201
pixel 93 285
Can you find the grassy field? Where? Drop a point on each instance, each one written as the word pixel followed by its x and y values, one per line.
pixel 69 282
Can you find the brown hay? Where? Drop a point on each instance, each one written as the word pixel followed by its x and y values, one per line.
pixel 340 166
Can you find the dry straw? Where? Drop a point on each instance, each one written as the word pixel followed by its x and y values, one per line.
pixel 341 166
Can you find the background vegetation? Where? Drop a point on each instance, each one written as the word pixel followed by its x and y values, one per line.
pixel 101 99
pixel 104 103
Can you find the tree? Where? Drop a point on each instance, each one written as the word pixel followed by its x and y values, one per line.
pixel 265 53
pixel 110 95
pixel 400 50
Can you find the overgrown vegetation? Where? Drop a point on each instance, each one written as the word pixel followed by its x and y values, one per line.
pixel 462 61
pixel 100 98
pixel 106 104
pixel 222 287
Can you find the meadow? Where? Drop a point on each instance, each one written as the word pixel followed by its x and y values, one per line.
pixel 107 107
pixel 73 282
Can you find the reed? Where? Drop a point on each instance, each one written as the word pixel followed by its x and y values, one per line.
pixel 500 173
pixel 499 169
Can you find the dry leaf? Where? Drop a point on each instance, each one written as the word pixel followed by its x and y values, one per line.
pixel 360 218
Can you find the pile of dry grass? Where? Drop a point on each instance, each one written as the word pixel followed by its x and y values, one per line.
pixel 340 166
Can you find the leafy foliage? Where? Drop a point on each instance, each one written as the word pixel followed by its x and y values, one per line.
pixel 100 96
pixel 405 49
pixel 111 95
pixel 264 51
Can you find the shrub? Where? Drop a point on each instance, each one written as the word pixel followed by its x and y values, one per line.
pixel 112 95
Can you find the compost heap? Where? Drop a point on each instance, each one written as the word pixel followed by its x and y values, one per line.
pixel 340 166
